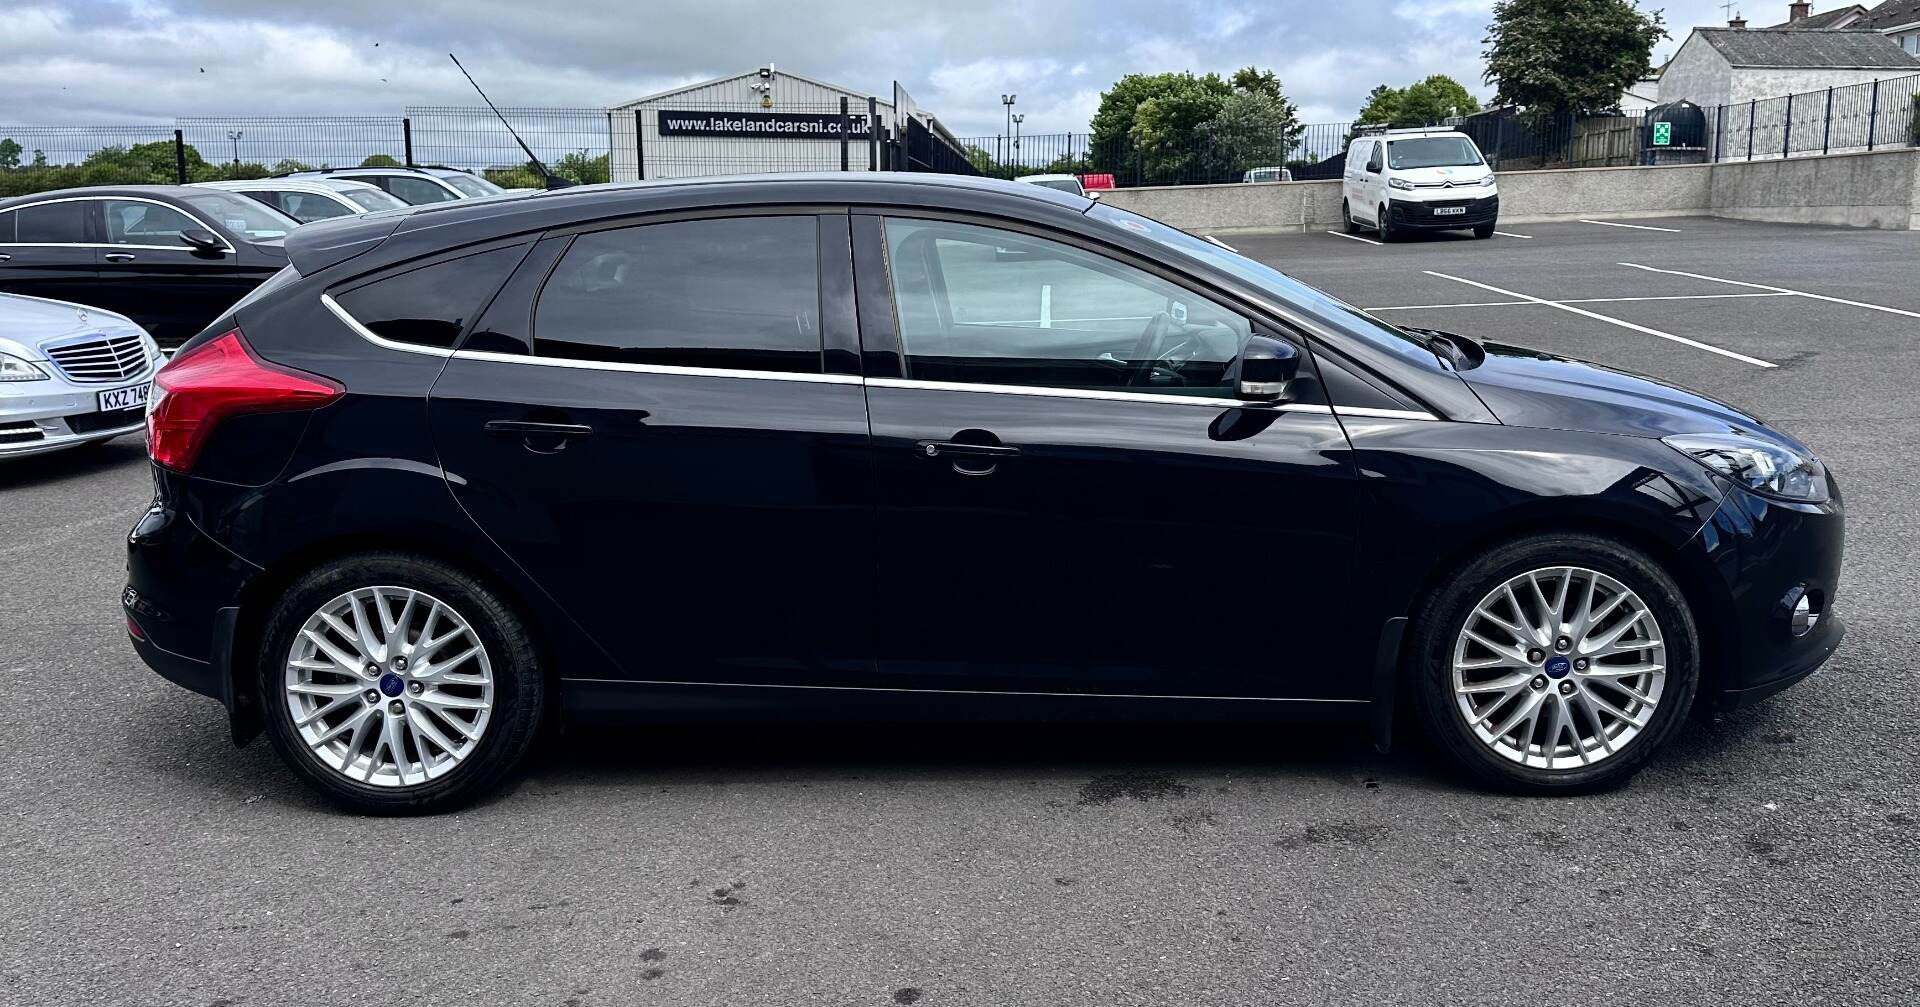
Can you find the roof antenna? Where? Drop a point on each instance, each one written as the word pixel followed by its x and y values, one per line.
pixel 553 181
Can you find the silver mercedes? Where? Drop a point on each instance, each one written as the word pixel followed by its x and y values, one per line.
pixel 70 375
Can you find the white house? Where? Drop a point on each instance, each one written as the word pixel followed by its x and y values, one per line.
pixel 764 119
pixel 1727 66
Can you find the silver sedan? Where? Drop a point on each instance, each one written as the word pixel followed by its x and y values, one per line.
pixel 70 375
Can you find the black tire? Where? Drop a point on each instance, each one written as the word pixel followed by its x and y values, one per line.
pixel 1441 617
pixel 1383 223
pixel 1346 218
pixel 519 688
pixel 1483 230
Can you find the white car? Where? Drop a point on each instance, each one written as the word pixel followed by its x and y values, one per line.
pixel 1270 174
pixel 70 375
pixel 1402 180
pixel 1065 183
pixel 308 200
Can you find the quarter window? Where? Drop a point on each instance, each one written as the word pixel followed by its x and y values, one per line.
pixel 740 293
pixel 63 223
pixel 981 305
pixel 308 206
pixel 431 305
pixel 416 191
pixel 133 222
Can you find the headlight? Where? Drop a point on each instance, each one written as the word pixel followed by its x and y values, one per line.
pixel 1399 183
pixel 13 368
pixel 1487 180
pixel 1762 466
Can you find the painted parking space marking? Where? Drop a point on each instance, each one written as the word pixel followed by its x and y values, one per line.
pixel 1222 244
pixel 1355 237
pixel 1575 300
pixel 1596 316
pixel 1777 290
pixel 1637 227
pixel 1510 234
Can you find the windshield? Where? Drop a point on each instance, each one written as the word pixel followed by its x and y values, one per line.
pixel 1432 152
pixel 470 185
pixel 369 198
pixel 1321 305
pixel 248 218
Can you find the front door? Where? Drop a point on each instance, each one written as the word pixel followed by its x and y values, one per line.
pixel 46 250
pixel 671 456
pixel 1070 500
pixel 150 274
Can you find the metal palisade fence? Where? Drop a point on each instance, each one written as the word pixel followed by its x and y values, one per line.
pixel 589 144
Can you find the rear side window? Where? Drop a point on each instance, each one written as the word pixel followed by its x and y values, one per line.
pixel 417 191
pixel 431 305
pixel 739 293
pixel 52 223
pixel 308 206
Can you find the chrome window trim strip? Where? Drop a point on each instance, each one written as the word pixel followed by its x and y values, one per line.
pixel 228 246
pixel 372 337
pixel 964 692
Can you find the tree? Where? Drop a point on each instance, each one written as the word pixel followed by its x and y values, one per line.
pixel 1253 129
pixel 1425 103
pixel 9 154
pixel 1255 80
pixel 1568 56
pixel 380 161
pixel 1113 122
pixel 583 168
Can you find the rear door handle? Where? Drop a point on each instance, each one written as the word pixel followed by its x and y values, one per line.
pixel 936 449
pixel 118 256
pixel 529 428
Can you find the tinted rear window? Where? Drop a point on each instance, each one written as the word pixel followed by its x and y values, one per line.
pixel 52 223
pixel 431 305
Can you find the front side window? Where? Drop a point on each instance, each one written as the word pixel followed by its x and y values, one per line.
pixel 431 305
pixel 740 293
pixel 249 218
pixel 135 222
pixel 310 206
pixel 982 305
pixel 416 191
pixel 1373 157
pixel 61 223
pixel 1432 152
pixel 470 185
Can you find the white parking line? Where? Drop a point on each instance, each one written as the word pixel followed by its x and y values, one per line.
pixel 1575 300
pixel 1637 227
pixel 1222 244
pixel 1343 234
pixel 1695 343
pixel 1778 290
pixel 1510 234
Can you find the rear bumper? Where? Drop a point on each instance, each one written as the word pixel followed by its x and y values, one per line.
pixel 1410 213
pixel 182 601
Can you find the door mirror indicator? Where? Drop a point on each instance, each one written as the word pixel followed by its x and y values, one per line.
pixel 1267 369
pixel 201 239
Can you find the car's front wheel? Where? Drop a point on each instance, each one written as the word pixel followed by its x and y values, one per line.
pixel 396 684
pixel 1483 230
pixel 1555 664
pixel 1383 224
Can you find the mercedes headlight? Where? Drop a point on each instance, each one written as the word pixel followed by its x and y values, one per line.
pixel 1766 468
pixel 13 368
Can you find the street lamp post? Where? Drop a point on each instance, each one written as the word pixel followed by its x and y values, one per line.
pixel 1017 120
pixel 1007 100
pixel 235 135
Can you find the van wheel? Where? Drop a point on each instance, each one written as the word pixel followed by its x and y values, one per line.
pixel 1383 223
pixel 1346 218
pixel 1555 664
pixel 395 684
pixel 1483 230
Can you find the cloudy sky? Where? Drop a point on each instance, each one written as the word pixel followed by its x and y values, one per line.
pixel 133 61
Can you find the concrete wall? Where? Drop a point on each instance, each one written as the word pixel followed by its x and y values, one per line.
pixel 1879 189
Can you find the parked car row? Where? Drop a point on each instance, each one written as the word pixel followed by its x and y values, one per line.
pixel 96 282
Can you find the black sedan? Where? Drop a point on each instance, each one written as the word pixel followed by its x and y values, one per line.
pixel 171 257
pixel 898 446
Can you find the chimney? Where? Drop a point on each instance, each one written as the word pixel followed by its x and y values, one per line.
pixel 1738 22
pixel 1798 12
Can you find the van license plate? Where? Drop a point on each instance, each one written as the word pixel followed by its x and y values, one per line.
pixel 1447 211
pixel 124 398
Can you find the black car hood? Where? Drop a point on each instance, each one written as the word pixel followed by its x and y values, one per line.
pixel 1524 387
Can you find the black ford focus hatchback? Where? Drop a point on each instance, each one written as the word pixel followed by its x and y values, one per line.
pixel 917 447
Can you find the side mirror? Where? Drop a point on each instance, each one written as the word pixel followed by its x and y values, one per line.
pixel 202 239
pixel 1267 367
pixel 1093 193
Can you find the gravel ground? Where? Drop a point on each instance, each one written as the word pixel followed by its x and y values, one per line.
pixel 1769 854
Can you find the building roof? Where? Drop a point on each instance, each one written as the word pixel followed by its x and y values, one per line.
pixel 1840 17
pixel 1846 48
pixel 684 88
pixel 1891 14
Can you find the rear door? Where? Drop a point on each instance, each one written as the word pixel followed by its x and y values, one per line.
pixel 663 424
pixel 46 250
pixel 1069 497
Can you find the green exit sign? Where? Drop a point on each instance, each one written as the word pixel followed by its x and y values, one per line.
pixel 1662 134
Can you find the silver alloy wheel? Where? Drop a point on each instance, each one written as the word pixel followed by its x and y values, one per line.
pixel 389 686
pixel 1559 668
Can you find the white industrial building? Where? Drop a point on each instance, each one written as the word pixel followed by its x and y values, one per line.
pixel 765 119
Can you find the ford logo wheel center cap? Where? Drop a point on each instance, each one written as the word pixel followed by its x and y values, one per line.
pixel 1557 666
pixel 392 685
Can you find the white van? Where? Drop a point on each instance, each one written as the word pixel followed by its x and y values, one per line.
pixel 1402 180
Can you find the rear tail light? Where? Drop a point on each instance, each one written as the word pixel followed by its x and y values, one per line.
pixel 198 389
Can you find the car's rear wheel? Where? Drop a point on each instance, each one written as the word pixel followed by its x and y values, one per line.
pixel 1555 664
pixel 1346 218
pixel 397 684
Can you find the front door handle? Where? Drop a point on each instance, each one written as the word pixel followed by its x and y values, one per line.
pixel 530 428
pixel 118 256
pixel 967 459
pixel 4 257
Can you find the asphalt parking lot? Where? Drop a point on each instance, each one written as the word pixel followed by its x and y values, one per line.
pixel 1774 852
